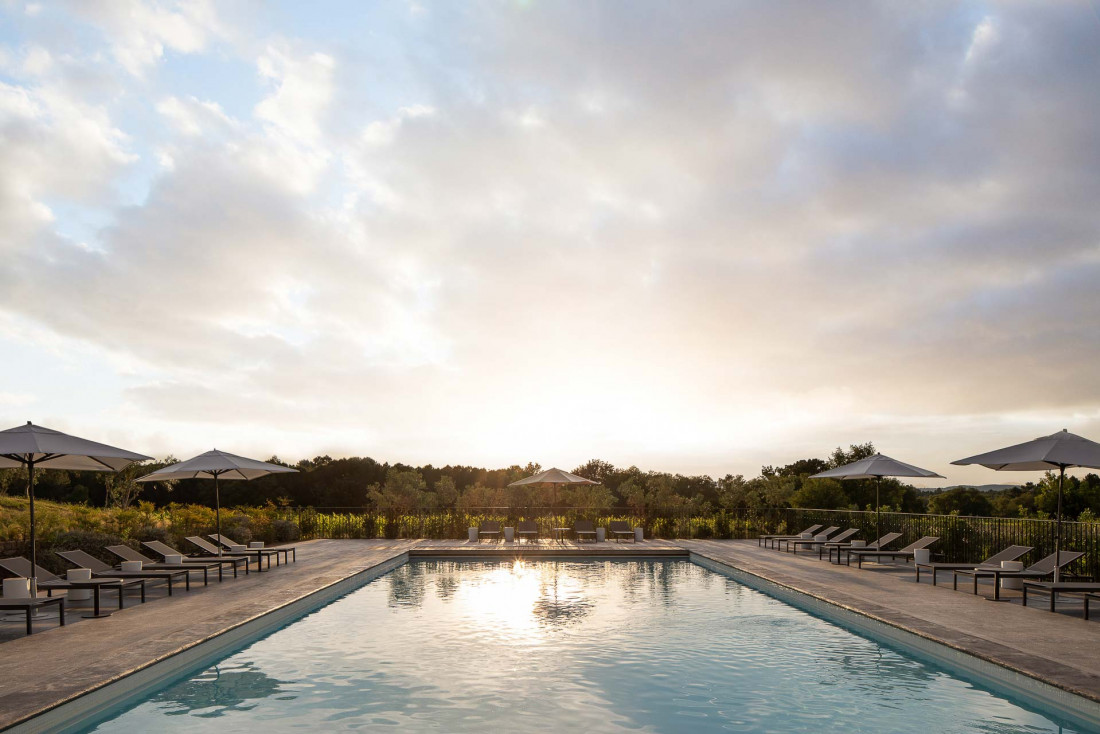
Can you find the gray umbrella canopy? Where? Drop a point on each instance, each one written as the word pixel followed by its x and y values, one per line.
pixel 216 465
pixel 1061 451
pixel 37 447
pixel 876 467
pixel 552 476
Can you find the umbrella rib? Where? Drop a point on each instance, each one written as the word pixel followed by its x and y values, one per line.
pixel 102 463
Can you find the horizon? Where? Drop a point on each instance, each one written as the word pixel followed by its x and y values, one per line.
pixel 695 240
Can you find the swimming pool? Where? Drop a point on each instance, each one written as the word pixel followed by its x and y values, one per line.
pixel 604 646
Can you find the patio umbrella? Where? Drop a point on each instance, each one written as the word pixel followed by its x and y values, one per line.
pixel 552 477
pixel 876 467
pixel 1061 451
pixel 34 446
pixel 214 465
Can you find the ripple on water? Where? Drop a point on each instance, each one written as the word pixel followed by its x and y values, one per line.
pixel 623 646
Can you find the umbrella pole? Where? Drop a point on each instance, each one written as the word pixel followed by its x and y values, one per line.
pixel 34 557
pixel 218 513
pixel 878 516
pixel 1058 525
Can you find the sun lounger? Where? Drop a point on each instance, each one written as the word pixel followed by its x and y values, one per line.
pixel 1036 571
pixel 212 550
pixel 286 551
pixel 528 529
pixel 1088 597
pixel 840 548
pixel 30 606
pixel 99 569
pixel 1084 589
pixel 766 539
pixel 795 544
pixel 1011 553
pixel 164 550
pixel 127 553
pixel 821 537
pixel 489 529
pixel 584 529
pixel 232 547
pixel 621 529
pixel 905 553
pixel 775 541
pixel 52 582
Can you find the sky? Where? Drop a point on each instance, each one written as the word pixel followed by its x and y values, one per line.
pixel 695 237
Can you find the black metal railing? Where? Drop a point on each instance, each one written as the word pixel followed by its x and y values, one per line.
pixel 962 538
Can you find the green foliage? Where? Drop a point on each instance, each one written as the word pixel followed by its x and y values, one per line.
pixel 142 521
pixel 826 494
pixel 961 501
pixel 362 482
pixel 404 491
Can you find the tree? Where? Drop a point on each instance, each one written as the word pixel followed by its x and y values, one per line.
pixel 446 491
pixel 960 501
pixel 480 496
pixel 404 491
pixel 822 494
pixel 656 492
pixel 855 452
pixel 588 497
pixel 122 487
pixel 596 470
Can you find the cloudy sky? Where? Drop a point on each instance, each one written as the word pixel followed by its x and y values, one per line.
pixel 695 237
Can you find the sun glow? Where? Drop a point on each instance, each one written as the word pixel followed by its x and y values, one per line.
pixel 524 601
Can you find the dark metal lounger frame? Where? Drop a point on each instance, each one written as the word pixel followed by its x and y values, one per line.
pixel 584 529
pixel 288 552
pixel 767 538
pixel 528 529
pixel 1011 553
pixel 811 543
pixel 127 553
pixel 99 569
pixel 1083 589
pixel 774 542
pixel 906 552
pixel 163 550
pixel 621 529
pixel 30 605
pixel 1039 570
pixel 841 548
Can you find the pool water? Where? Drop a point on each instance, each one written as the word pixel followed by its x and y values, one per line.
pixel 600 646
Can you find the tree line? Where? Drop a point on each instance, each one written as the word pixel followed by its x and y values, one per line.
pixel 357 482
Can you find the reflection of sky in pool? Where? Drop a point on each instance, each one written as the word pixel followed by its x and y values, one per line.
pixel 653 646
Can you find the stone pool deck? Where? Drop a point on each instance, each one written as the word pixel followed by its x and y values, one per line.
pixel 58 664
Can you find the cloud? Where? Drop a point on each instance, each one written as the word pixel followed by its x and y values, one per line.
pixel 194 117
pixel 139 32
pixel 302 92
pixel 51 147
pixel 699 240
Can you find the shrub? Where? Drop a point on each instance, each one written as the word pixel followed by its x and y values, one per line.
pixel 153 532
pixel 89 541
pixel 285 531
